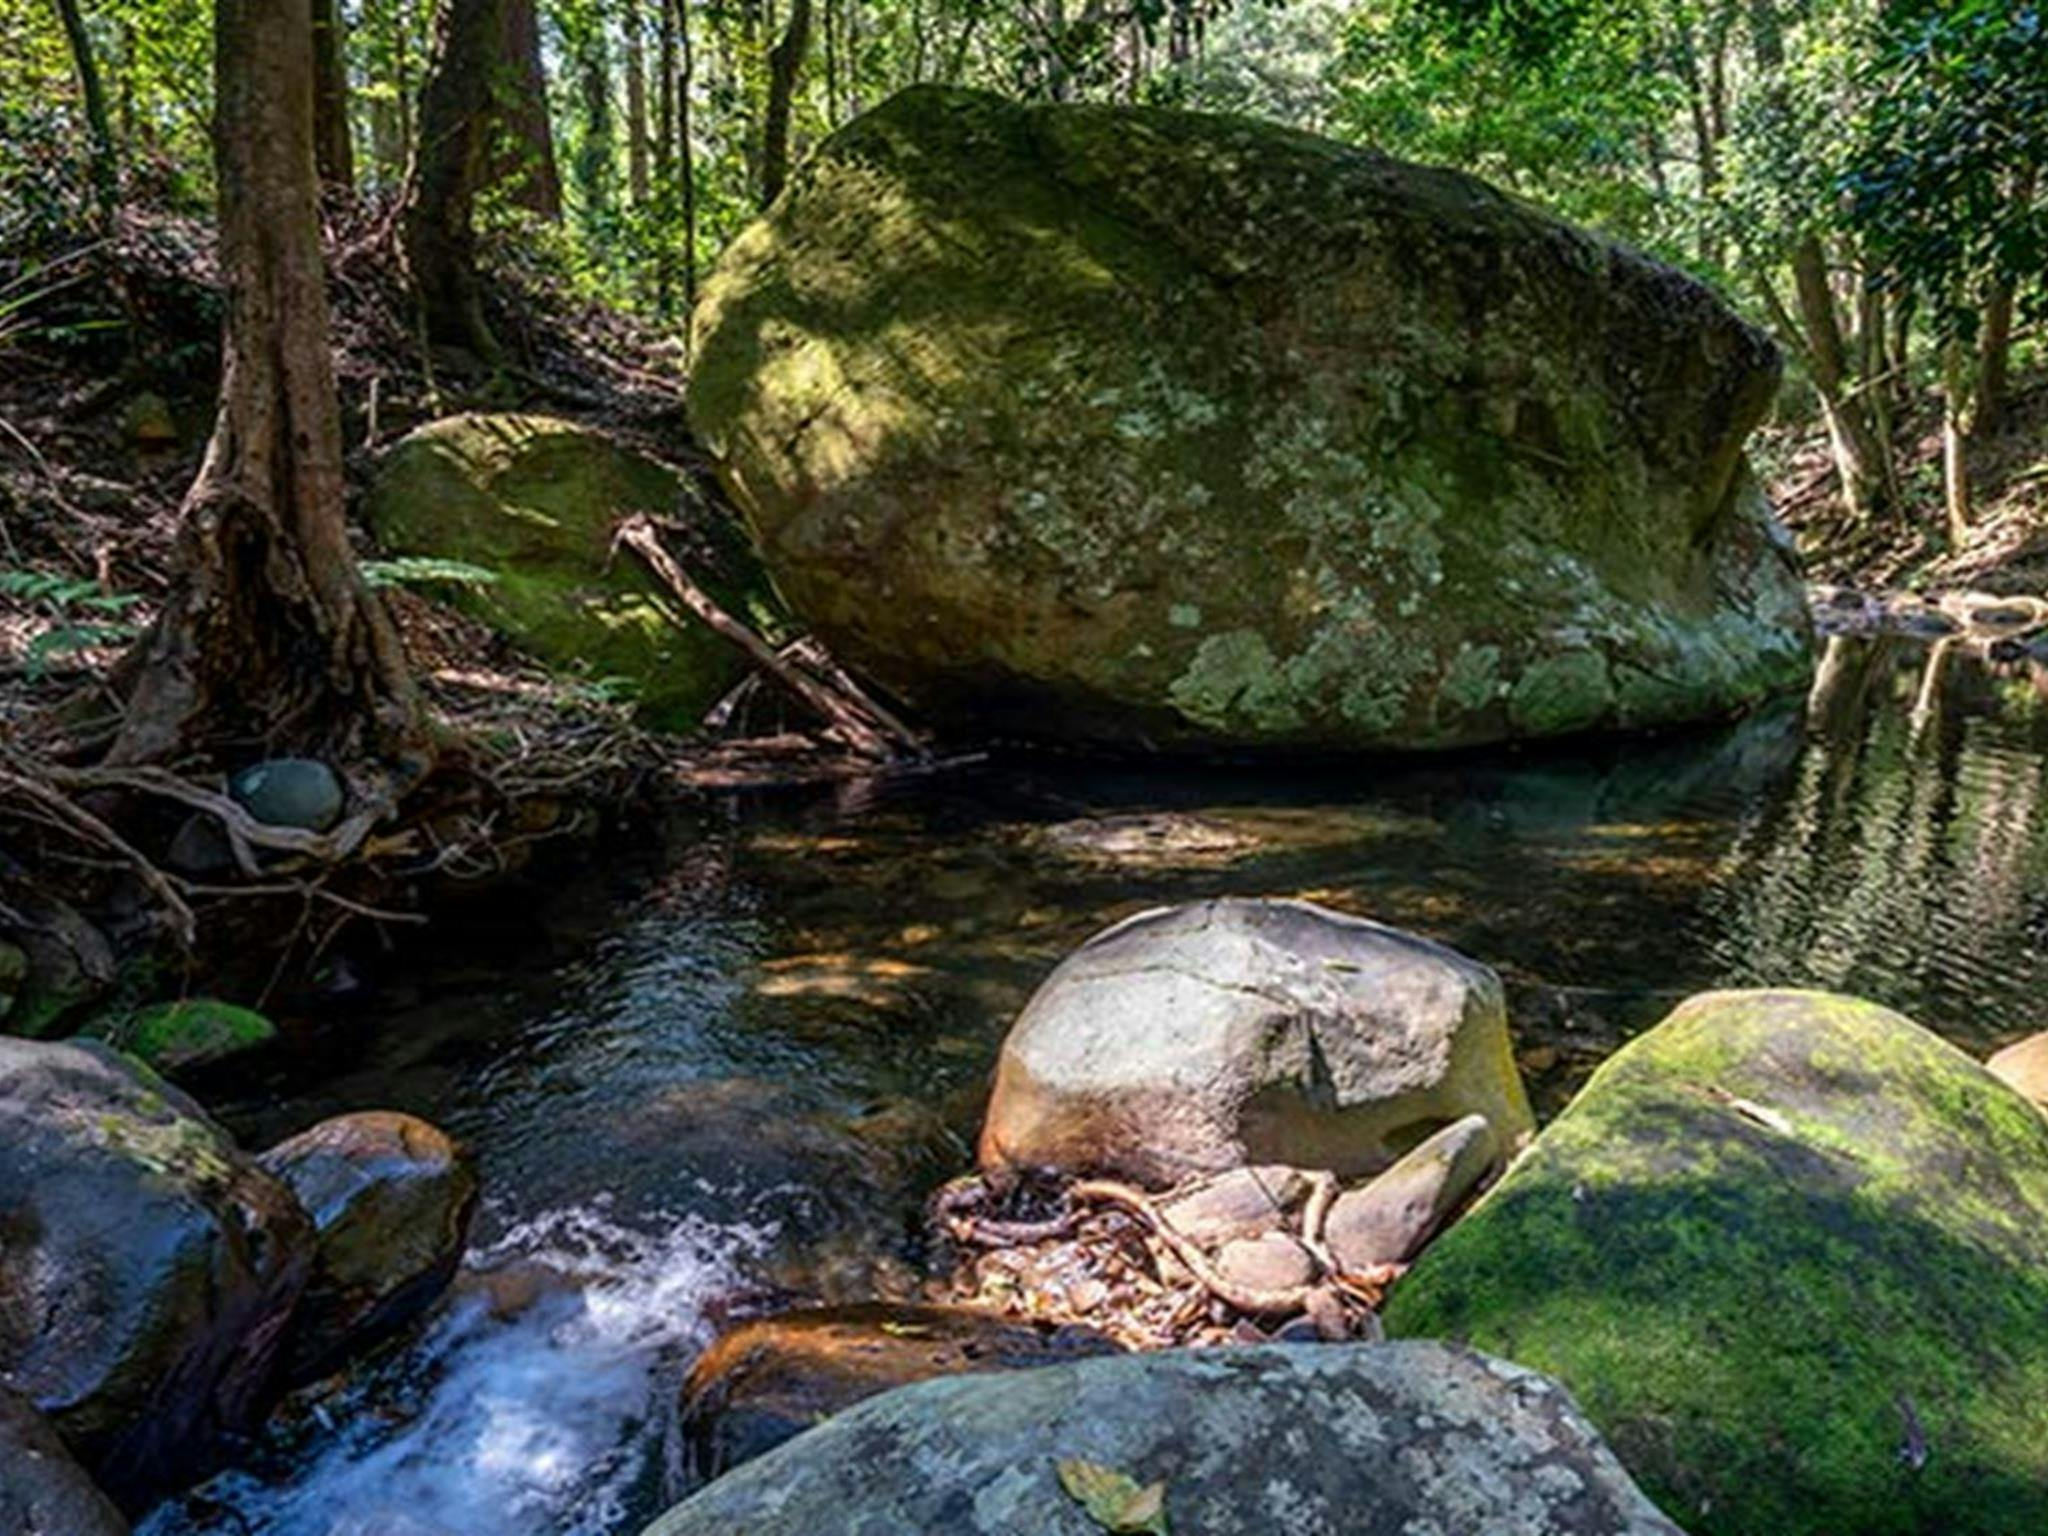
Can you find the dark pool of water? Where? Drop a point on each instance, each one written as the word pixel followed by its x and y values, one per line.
pixel 729 1067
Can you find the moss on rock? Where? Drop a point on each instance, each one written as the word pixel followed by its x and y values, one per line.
pixel 1790 1252
pixel 1151 427
pixel 533 500
pixel 189 1032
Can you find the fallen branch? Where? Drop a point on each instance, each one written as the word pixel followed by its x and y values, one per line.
pixel 183 924
pixel 856 719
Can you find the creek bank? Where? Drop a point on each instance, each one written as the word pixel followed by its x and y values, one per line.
pixel 1159 430
pixel 154 1271
pixel 1789 1251
pixel 1313 1441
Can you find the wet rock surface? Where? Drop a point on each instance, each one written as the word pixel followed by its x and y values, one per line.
pixel 1193 1039
pixel 148 1267
pixel 767 1381
pixel 1362 1440
pixel 43 1492
pixel 391 1199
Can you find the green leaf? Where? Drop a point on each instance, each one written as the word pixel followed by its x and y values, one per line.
pixel 420 570
pixel 1112 1499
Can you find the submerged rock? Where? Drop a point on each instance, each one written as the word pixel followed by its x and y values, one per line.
pixel 391 1199
pixel 1790 1252
pixel 1163 430
pixel 1308 1440
pixel 767 1381
pixel 148 1266
pixel 533 501
pixel 1193 1039
pixel 43 1492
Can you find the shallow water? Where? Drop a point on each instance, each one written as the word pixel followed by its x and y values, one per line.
pixel 727 1070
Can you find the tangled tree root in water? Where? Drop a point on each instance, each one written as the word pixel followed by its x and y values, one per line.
pixel 1105 1254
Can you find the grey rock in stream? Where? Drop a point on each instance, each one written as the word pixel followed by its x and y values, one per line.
pixel 391 1199
pixel 1192 1039
pixel 148 1266
pixel 43 1492
pixel 1309 1440
pixel 1388 1220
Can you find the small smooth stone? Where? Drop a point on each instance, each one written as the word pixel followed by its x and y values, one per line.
pixel 1241 1203
pixel 2024 1065
pixel 1272 1262
pixel 1389 1219
pixel 290 792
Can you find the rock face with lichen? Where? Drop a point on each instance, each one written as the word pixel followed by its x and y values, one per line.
pixel 532 502
pixel 1193 1039
pixel 1150 428
pixel 1310 1440
pixel 1789 1251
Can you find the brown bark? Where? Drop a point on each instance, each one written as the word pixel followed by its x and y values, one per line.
pixel 665 146
pixel 449 171
pixel 785 65
pixel 333 155
pixel 594 155
pixel 636 107
pixel 686 153
pixel 269 638
pixel 1994 338
pixel 526 139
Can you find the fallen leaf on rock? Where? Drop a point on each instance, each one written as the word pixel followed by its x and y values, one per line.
pixel 1113 1500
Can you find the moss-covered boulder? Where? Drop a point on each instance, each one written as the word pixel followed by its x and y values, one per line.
pixel 533 501
pixel 1789 1251
pixel 1154 428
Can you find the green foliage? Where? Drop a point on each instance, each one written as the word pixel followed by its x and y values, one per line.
pixel 425 571
pixel 83 618
pixel 1945 185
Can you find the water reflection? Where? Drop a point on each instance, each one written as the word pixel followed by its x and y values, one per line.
pixel 778 1038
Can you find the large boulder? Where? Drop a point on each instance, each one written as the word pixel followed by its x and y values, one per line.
pixel 43 1492
pixel 1159 429
pixel 1312 1440
pixel 1789 1251
pixel 769 1380
pixel 1193 1039
pixel 391 1198
pixel 533 501
pixel 147 1267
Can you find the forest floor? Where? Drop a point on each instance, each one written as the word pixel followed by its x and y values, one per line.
pixel 100 437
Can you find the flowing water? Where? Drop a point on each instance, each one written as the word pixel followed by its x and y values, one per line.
pixel 725 1071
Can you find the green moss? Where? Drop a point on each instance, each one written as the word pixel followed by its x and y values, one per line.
pixel 186 1033
pixel 1191 430
pixel 535 501
pixel 1761 1229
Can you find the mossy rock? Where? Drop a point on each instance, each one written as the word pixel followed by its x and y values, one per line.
pixel 1161 429
pixel 1789 1251
pixel 533 500
pixel 189 1032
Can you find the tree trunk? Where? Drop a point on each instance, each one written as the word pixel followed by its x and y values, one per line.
pixel 636 107
pixel 106 164
pixel 269 639
pixel 686 152
pixel 449 170
pixel 594 155
pixel 1994 338
pixel 1862 455
pixel 1957 423
pixel 525 156
pixel 785 64
pixel 665 149
pixel 333 155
